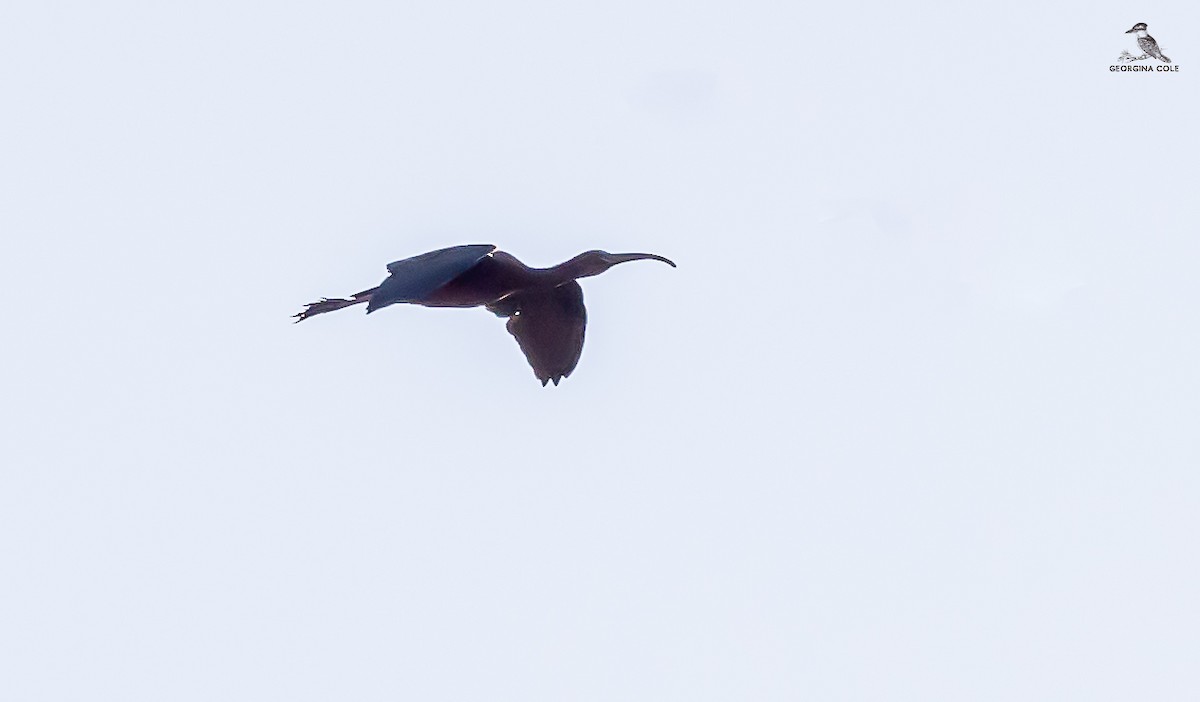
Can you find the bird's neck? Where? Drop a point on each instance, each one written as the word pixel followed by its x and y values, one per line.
pixel 550 277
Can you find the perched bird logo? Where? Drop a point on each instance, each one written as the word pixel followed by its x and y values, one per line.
pixel 1146 43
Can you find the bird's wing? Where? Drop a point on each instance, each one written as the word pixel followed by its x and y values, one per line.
pixel 549 324
pixel 411 279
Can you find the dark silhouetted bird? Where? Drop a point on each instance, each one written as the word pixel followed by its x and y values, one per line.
pixel 544 306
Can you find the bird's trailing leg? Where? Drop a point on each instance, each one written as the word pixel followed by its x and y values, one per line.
pixel 327 304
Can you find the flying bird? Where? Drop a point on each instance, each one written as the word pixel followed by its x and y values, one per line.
pixel 544 306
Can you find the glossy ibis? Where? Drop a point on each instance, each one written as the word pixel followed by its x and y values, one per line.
pixel 544 306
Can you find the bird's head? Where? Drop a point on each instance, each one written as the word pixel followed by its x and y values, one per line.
pixel 1139 27
pixel 591 263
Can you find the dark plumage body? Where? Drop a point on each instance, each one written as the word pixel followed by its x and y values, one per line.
pixel 544 306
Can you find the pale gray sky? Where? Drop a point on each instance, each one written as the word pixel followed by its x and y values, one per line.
pixel 914 419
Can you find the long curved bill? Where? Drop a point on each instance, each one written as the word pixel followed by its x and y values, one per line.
pixel 623 257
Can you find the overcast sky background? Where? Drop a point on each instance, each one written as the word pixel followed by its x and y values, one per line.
pixel 915 418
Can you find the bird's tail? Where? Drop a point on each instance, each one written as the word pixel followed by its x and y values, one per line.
pixel 327 304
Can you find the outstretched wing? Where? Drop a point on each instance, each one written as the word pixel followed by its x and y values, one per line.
pixel 414 278
pixel 548 324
